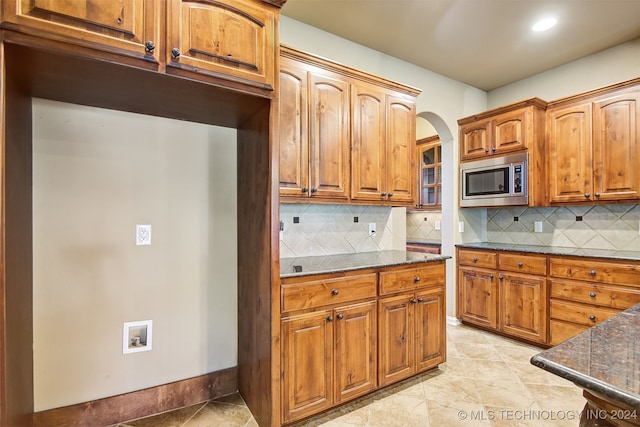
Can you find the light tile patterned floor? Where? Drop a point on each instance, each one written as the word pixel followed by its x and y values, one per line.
pixel 486 381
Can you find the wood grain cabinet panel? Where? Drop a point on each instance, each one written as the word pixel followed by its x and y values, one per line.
pixel 594 148
pixel 478 297
pixel 125 27
pixel 523 306
pixel 234 39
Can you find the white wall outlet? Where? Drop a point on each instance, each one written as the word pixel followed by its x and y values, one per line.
pixel 461 226
pixel 372 229
pixel 137 336
pixel 143 234
pixel 437 225
pixel 537 226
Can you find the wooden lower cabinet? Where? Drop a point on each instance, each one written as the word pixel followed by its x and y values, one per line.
pixel 411 334
pixel 344 335
pixel 506 293
pixel 328 358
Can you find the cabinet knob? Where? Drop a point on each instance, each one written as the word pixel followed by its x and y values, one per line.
pixel 340 316
pixel 416 279
pixel 592 318
pixel 592 273
pixel 493 149
pixel 520 264
pixel 592 294
pixel 383 194
pixel 500 277
pixel 175 53
pixel 314 190
pixel 390 194
pixel 491 276
pixel 597 194
pixel 420 299
pixel 413 301
pixel 486 150
pixel 334 292
pixel 330 319
pixel 587 195
pixel 305 189
pixel 475 259
pixel 149 46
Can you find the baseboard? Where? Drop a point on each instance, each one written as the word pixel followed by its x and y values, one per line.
pixel 453 321
pixel 142 403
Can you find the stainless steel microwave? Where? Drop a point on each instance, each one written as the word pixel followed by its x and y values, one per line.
pixel 496 181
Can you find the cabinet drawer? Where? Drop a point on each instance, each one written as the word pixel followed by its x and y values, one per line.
pixel 580 313
pixel 604 272
pixel 477 258
pixel 330 291
pixel 562 331
pixel 529 264
pixel 594 293
pixel 411 279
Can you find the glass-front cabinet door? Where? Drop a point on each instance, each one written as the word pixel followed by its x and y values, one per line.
pixel 430 173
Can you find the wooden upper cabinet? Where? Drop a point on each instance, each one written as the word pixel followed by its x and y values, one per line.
pixel 329 137
pixel 368 154
pixel 594 148
pixel 401 143
pixel 125 27
pixel 234 39
pixel 293 130
pixel 515 127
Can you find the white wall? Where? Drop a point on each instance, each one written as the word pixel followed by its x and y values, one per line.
pixel 98 173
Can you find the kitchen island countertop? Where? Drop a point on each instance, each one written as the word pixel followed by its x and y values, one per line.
pixel 603 360
pixel 355 261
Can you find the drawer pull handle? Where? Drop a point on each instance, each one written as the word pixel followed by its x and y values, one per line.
pixel 330 319
pixel 416 279
pixel 592 272
pixel 340 316
pixel 592 318
pixel 592 294
pixel 334 292
pixel 475 259
pixel 520 264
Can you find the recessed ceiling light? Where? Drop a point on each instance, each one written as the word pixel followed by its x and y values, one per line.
pixel 544 24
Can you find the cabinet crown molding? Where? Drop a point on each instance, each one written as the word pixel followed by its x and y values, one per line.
pixel 510 107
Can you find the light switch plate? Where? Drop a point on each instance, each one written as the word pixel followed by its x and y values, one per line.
pixel 437 225
pixel 537 226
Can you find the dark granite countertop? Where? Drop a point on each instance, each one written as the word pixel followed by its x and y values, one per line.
pixel 604 359
pixel 555 250
pixel 356 261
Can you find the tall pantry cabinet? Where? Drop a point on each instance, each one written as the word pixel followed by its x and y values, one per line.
pixel 154 58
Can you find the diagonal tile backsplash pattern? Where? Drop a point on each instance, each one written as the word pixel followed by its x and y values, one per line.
pixel 612 226
pixel 330 229
pixel 423 226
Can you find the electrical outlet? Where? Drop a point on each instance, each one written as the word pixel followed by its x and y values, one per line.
pixel 437 225
pixel 372 229
pixel 461 226
pixel 143 234
pixel 537 226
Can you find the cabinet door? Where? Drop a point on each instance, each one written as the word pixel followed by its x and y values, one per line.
pixel 478 297
pixel 401 142
pixel 307 361
pixel 395 339
pixel 570 153
pixel 293 131
pixel 509 132
pixel 123 27
pixel 368 152
pixel 355 351
pixel 523 306
pixel 616 144
pixel 329 143
pixel 430 321
pixel 475 140
pixel 231 39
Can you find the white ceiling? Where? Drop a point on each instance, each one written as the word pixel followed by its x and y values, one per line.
pixel 484 43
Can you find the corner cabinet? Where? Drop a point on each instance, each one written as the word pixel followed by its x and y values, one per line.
pixel 594 146
pixel 344 134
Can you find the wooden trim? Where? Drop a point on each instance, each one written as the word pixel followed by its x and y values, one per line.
pixel 511 107
pixel 142 403
pixel 595 92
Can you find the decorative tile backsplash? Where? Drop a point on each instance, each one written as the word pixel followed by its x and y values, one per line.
pixel 583 227
pixel 425 225
pixel 331 230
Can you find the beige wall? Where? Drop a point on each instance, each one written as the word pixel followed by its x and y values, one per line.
pixel 98 173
